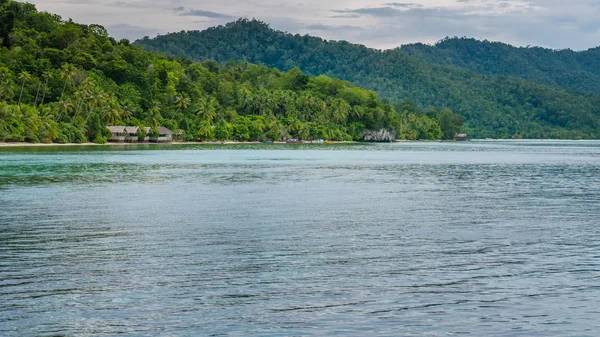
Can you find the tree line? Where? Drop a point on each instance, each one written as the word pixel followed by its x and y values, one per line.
pixel 499 93
pixel 62 82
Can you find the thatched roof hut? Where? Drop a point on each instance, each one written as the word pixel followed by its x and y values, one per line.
pixel 116 130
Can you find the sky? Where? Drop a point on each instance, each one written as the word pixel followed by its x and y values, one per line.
pixel 383 24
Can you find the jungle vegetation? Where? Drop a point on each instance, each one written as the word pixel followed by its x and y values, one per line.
pixel 63 82
pixel 502 91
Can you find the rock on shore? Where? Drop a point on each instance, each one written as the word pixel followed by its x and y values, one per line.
pixel 382 135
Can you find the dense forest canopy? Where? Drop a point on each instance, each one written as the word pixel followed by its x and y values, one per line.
pixel 552 95
pixel 562 69
pixel 65 82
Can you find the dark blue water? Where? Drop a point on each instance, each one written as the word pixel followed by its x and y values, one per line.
pixel 428 239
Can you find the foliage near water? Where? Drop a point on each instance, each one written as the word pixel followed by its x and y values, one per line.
pixel 502 92
pixel 64 82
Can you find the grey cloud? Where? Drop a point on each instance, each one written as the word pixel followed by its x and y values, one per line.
pixel 332 28
pixel 130 32
pixel 376 23
pixel 374 11
pixel 181 11
pixel 403 4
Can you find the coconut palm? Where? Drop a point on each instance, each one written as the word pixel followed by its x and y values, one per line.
pixel 96 98
pixel 207 109
pixel 153 114
pixel 9 118
pixel 63 106
pixel 182 103
pixel 37 94
pixel 5 87
pixel 47 75
pixel 340 110
pixel 83 94
pixel 111 113
pixel 67 72
pixel 206 131
pixel 24 77
pixel 127 111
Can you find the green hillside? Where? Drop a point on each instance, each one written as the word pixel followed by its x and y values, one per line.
pixel 64 82
pixel 563 69
pixel 493 104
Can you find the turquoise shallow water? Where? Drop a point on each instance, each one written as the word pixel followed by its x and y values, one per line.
pixel 434 239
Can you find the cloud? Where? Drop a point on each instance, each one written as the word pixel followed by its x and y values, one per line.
pixel 197 12
pixel 123 30
pixel 375 23
pixel 405 4
pixel 329 28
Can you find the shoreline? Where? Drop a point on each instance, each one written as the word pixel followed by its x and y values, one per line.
pixel 24 144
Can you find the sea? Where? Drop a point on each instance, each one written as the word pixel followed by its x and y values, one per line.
pixel 478 238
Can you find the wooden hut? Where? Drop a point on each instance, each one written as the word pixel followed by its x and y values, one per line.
pixel 164 135
pixel 117 134
pixel 132 133
pixel 461 137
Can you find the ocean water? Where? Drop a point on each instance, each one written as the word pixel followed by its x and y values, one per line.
pixel 406 239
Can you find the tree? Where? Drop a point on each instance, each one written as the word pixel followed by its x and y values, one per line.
pixel 206 131
pixel 23 77
pixel 450 123
pixel 47 76
pixel 63 106
pixel 223 130
pixel 206 109
pixel 182 103
pixel 67 72
pixel 340 110
pixel 153 114
pixel 111 113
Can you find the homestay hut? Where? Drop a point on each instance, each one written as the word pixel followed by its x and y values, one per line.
pixel 164 135
pixel 120 134
pixel 461 137
pixel 117 134
pixel 131 134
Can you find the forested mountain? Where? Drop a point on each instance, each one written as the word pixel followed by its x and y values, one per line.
pixel 64 82
pixel 494 104
pixel 563 69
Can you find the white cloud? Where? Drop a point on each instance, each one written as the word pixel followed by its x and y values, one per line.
pixel 379 24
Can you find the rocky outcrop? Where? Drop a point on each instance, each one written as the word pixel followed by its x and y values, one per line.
pixel 382 135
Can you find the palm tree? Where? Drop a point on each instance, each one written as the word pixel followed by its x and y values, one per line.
pixel 9 117
pixel 206 131
pixel 23 76
pixel 82 94
pixel 63 105
pixel 244 99
pixel 67 72
pixel 37 94
pixel 153 114
pixel 7 88
pixel 4 85
pixel 207 109
pixel 97 98
pixel 128 111
pixel 47 75
pixel 182 103
pixel 341 110
pixel 111 114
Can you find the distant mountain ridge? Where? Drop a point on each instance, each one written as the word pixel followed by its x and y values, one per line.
pixel 563 69
pixel 502 91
